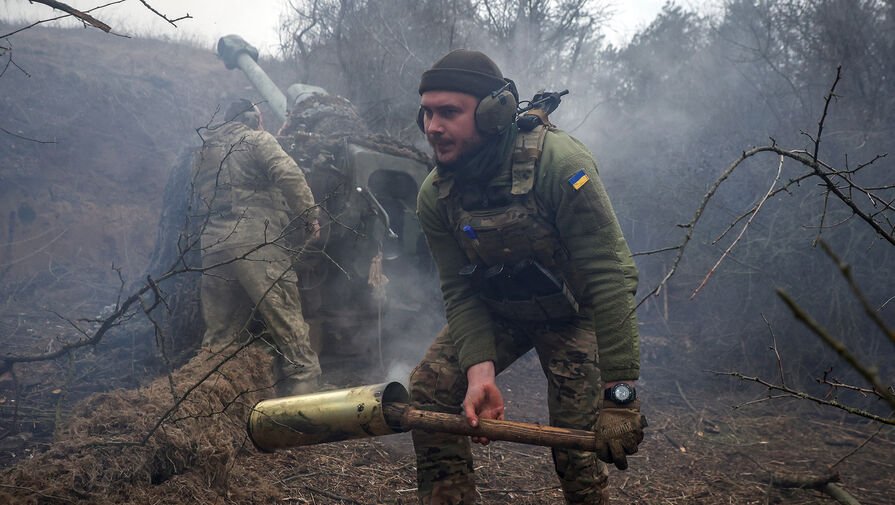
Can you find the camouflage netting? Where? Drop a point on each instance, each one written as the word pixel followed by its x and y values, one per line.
pixel 322 124
pixel 324 115
pixel 99 456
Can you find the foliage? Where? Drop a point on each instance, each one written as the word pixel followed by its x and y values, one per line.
pixel 373 52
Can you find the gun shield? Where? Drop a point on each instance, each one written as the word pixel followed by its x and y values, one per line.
pixel 330 416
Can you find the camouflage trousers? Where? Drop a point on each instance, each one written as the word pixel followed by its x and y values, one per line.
pixel 568 357
pixel 265 281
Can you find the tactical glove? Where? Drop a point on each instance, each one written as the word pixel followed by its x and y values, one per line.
pixel 619 431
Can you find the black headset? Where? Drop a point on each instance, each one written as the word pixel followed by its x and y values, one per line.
pixel 493 114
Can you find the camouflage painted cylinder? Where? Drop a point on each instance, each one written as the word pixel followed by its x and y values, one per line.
pixel 329 416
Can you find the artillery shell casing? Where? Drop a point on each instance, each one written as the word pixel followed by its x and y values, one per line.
pixel 328 416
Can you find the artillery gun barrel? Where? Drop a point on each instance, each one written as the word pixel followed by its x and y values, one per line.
pixel 236 52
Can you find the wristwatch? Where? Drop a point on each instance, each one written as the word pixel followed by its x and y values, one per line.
pixel 621 393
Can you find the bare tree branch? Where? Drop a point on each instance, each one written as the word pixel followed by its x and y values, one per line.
pixel 83 16
pixel 818 169
pixel 869 374
pixel 743 231
pixel 823 117
pixel 159 14
pixel 793 393
pixel 10 61
pixel 32 25
pixel 845 269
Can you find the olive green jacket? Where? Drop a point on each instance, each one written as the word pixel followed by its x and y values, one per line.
pixel 248 190
pixel 598 253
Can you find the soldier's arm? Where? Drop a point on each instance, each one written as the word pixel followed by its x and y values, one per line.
pixel 468 319
pixel 286 174
pixel 589 228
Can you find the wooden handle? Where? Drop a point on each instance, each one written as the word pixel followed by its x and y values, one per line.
pixel 408 418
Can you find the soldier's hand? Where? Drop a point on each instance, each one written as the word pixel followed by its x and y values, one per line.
pixel 619 432
pixel 483 399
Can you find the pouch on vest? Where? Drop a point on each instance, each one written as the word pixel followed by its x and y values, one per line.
pixel 527 292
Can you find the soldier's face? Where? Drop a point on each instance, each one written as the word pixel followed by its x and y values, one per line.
pixel 449 124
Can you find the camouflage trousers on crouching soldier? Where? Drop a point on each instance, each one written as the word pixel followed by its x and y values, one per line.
pixel 264 280
pixel 568 357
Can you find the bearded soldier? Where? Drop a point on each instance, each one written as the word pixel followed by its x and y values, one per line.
pixel 249 194
pixel 529 255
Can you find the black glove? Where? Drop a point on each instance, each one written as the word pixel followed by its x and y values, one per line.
pixel 619 431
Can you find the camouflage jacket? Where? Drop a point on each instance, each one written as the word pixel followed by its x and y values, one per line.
pixel 588 229
pixel 248 189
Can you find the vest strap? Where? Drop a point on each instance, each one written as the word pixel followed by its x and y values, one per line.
pixel 526 154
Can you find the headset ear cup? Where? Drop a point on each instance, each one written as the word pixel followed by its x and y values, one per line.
pixel 494 114
pixel 420 115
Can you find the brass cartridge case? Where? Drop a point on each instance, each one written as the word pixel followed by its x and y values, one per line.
pixel 329 416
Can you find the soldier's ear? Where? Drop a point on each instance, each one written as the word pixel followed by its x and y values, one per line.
pixel 420 115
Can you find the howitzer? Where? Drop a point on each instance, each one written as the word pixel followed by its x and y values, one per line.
pixel 382 409
pixel 366 186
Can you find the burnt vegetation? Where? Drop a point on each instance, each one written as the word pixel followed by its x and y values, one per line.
pixel 747 157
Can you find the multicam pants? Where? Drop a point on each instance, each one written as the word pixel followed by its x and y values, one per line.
pixel 568 357
pixel 264 279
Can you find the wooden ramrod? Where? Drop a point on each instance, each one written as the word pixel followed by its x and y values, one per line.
pixel 382 409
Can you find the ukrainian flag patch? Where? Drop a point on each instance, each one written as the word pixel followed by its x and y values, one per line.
pixel 578 180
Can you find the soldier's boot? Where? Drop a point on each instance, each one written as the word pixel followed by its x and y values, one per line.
pixel 459 490
pixel 583 478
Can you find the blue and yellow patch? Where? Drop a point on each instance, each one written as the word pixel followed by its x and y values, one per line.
pixel 578 180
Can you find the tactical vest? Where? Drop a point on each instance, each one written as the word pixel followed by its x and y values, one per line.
pixel 501 238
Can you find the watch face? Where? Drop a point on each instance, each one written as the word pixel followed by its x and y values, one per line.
pixel 622 393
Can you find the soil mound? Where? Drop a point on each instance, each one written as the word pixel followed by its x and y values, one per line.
pixel 113 449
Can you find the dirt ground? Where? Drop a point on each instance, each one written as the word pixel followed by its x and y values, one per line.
pixel 55 434
pixel 698 450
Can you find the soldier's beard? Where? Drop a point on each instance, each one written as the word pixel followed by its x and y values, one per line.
pixel 480 163
pixel 469 149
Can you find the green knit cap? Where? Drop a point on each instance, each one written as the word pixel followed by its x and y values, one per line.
pixel 465 71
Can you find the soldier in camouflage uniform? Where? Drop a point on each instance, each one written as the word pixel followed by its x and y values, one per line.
pixel 503 199
pixel 249 195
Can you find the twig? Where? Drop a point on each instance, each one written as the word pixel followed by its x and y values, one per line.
pixel 684 397
pixel 743 231
pixel 835 383
pixel 845 269
pixel 774 348
pixel 332 495
pixel 656 251
pixel 785 187
pixel 159 14
pixel 83 16
pixel 36 251
pixel 801 394
pixel 869 375
pixel 32 25
pixel 856 449
pixel 881 307
pixel 4 130
pixel 823 117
